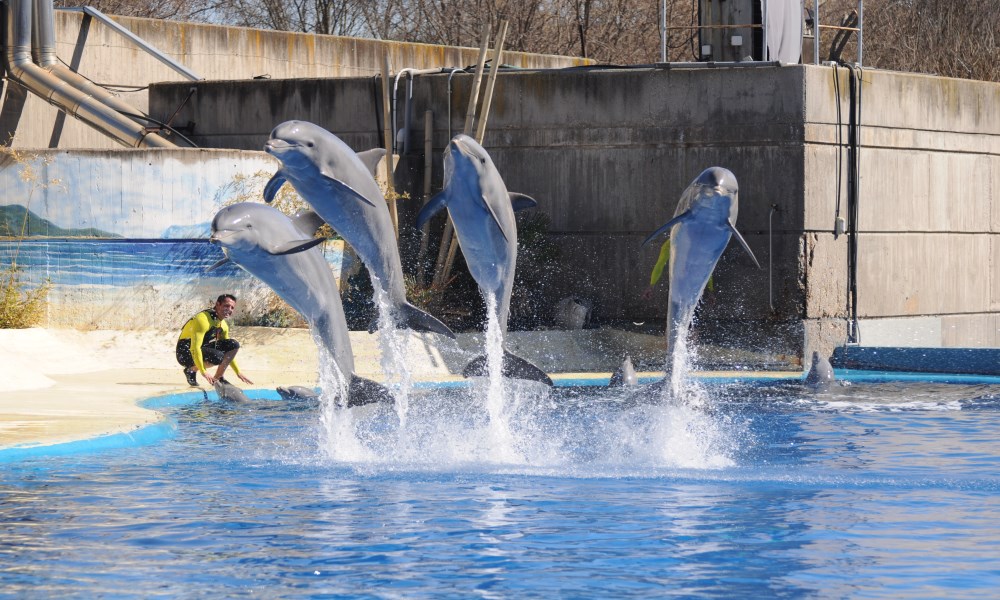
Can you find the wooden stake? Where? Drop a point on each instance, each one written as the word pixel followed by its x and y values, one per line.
pixel 470 113
pixel 390 163
pixel 428 172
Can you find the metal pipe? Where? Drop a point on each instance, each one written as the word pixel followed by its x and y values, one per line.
pixel 61 94
pixel 157 54
pixel 409 72
pixel 46 58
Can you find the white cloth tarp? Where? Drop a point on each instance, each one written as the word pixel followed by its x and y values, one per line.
pixel 783 29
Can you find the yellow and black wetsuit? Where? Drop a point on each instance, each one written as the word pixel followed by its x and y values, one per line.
pixel 205 339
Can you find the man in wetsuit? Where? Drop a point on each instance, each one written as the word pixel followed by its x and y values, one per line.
pixel 204 340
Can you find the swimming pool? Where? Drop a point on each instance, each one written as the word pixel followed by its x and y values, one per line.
pixel 873 489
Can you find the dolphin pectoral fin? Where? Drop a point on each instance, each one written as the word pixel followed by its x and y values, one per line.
pixel 513 367
pixel 296 246
pixel 743 242
pixel 363 391
pixel 496 220
pixel 343 188
pixel 521 201
pixel 273 185
pixel 308 222
pixel 665 227
pixel 371 159
pixel 418 320
pixel 435 204
pixel 217 265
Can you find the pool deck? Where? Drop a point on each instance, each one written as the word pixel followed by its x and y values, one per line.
pixel 60 386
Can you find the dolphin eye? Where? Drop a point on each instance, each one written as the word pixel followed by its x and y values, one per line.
pixel 482 161
pixel 310 144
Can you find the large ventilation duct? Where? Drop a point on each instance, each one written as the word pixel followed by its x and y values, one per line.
pixel 98 109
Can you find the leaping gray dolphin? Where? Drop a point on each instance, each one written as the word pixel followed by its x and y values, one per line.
pixel 703 223
pixel 340 186
pixel 482 211
pixel 271 247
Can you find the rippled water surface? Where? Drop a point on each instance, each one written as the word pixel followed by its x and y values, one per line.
pixel 865 490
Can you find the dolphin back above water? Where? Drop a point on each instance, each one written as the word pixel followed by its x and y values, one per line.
pixel 340 186
pixel 482 211
pixel 703 223
pixel 272 248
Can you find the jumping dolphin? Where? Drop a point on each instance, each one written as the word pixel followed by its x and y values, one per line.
pixel 482 211
pixel 269 246
pixel 821 373
pixel 340 186
pixel 702 225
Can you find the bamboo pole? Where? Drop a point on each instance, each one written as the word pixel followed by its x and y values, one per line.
pixel 428 172
pixel 470 112
pixel 390 163
pixel 491 83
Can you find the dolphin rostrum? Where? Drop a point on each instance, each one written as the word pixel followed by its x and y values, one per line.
pixel 229 392
pixel 482 211
pixel 340 186
pixel 271 247
pixel 702 225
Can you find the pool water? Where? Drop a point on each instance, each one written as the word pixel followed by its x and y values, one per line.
pixel 866 490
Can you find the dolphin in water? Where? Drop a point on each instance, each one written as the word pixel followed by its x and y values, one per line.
pixel 820 374
pixel 271 247
pixel 482 211
pixel 703 223
pixel 624 375
pixel 340 186
pixel 296 392
pixel 230 392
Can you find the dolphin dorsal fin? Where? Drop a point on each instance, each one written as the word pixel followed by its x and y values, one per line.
pixel 371 159
pixel 273 185
pixel 435 204
pixel 295 246
pixel 521 201
pixel 743 242
pixel 666 227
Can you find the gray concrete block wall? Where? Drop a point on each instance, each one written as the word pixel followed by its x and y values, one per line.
pixel 215 53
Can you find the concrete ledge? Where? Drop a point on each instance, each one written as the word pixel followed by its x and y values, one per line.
pixel 965 361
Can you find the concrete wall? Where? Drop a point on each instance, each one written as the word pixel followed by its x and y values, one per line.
pixel 608 152
pixel 214 53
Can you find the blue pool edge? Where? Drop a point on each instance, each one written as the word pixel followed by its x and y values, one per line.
pixel 166 427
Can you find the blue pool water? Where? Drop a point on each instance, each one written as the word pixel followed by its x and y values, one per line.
pixel 867 490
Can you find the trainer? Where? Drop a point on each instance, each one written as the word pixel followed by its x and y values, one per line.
pixel 204 340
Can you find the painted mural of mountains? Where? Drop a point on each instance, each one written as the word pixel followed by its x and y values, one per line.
pixel 12 219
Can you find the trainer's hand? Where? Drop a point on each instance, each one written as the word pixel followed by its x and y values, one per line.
pixel 245 379
pixel 209 378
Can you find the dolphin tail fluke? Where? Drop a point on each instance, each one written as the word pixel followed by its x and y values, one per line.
pixel 513 366
pixel 413 318
pixel 743 242
pixel 365 391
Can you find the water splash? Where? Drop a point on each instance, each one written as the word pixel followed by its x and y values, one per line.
pixel 392 343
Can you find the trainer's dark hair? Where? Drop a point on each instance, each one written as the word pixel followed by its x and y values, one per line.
pixel 224 296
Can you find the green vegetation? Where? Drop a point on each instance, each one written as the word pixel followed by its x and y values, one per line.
pixel 20 306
